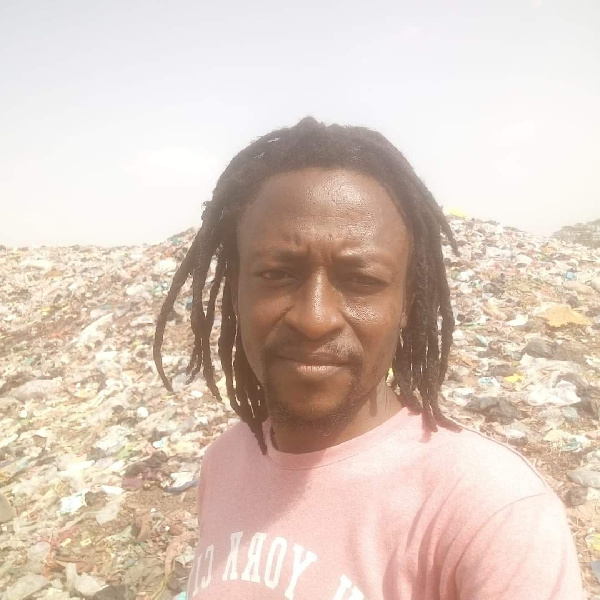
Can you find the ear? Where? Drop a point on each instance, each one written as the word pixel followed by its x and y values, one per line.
pixel 403 320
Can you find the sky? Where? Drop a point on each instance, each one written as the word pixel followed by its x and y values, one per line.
pixel 117 117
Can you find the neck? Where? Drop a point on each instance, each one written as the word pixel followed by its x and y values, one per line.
pixel 380 405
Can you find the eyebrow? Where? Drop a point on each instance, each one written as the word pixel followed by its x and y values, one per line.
pixel 351 258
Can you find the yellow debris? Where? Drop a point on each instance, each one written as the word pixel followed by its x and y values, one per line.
pixel 456 212
pixel 559 315
pixel 593 542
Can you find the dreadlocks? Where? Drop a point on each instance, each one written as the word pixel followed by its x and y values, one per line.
pixel 421 357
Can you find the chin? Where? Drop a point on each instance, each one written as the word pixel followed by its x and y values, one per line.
pixel 312 409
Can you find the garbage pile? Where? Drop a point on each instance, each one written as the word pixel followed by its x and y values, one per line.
pixel 99 463
pixel 587 234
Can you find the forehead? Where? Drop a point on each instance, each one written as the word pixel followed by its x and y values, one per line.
pixel 316 208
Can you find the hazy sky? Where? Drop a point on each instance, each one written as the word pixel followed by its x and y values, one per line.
pixel 116 117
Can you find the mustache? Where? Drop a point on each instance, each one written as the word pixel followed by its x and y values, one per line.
pixel 297 350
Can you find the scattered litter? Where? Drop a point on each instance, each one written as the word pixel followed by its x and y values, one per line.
pixel 35 390
pixel 109 513
pixel 25 587
pixel 595 565
pixel 575 443
pixel 570 414
pixel 178 489
pixel 585 478
pixel 112 490
pixel 560 315
pixel 37 555
pixel 564 394
pixel 87 585
pixel 577 496
pixel 494 409
pixel 7 512
pixel 539 348
pixel 71 504
pixel 518 321
pixel 593 542
pixel 95 455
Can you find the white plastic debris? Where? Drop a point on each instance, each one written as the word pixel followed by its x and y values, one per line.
pixel 109 513
pixel 35 390
pixel 71 504
pixel 564 394
pixel 585 478
pixel 25 587
pixel 167 265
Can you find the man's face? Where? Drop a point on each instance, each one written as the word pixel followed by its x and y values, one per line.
pixel 321 292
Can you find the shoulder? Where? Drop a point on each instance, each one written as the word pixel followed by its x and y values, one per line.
pixel 234 443
pixel 471 465
pixel 482 478
pixel 472 480
pixel 481 460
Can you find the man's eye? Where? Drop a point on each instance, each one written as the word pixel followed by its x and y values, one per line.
pixel 275 275
pixel 365 281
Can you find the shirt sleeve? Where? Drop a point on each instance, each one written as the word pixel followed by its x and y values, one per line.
pixel 202 483
pixel 200 500
pixel 524 551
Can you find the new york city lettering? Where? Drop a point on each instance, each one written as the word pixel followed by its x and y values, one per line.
pixel 262 565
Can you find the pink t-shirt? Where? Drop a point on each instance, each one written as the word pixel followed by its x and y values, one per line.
pixel 396 513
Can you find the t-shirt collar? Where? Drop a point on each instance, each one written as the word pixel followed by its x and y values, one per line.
pixel 321 458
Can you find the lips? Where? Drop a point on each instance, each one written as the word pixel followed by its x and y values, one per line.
pixel 313 360
pixel 311 367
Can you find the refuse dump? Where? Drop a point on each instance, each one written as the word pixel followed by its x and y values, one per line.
pixel 586 234
pixel 99 463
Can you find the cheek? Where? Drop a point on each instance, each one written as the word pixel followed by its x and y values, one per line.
pixel 258 314
pixel 380 343
pixel 377 325
pixel 380 312
pixel 258 320
pixel 379 349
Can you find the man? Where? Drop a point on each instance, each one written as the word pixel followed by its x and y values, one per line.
pixel 333 487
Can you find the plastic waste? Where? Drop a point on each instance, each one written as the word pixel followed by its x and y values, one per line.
pixel 561 315
pixel 595 565
pixel 518 321
pixel 71 504
pixel 7 512
pixel 495 409
pixel 575 443
pixel 570 414
pixel 585 478
pixel 553 417
pixel 564 394
pixel 87 585
pixel 109 513
pixel 82 408
pixel 593 542
pixel 37 555
pixel 539 348
pixel 167 265
pixel 35 390
pixel 25 587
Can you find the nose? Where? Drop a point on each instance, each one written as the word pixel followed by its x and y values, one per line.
pixel 316 310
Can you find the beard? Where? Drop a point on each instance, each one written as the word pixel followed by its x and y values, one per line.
pixel 349 400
